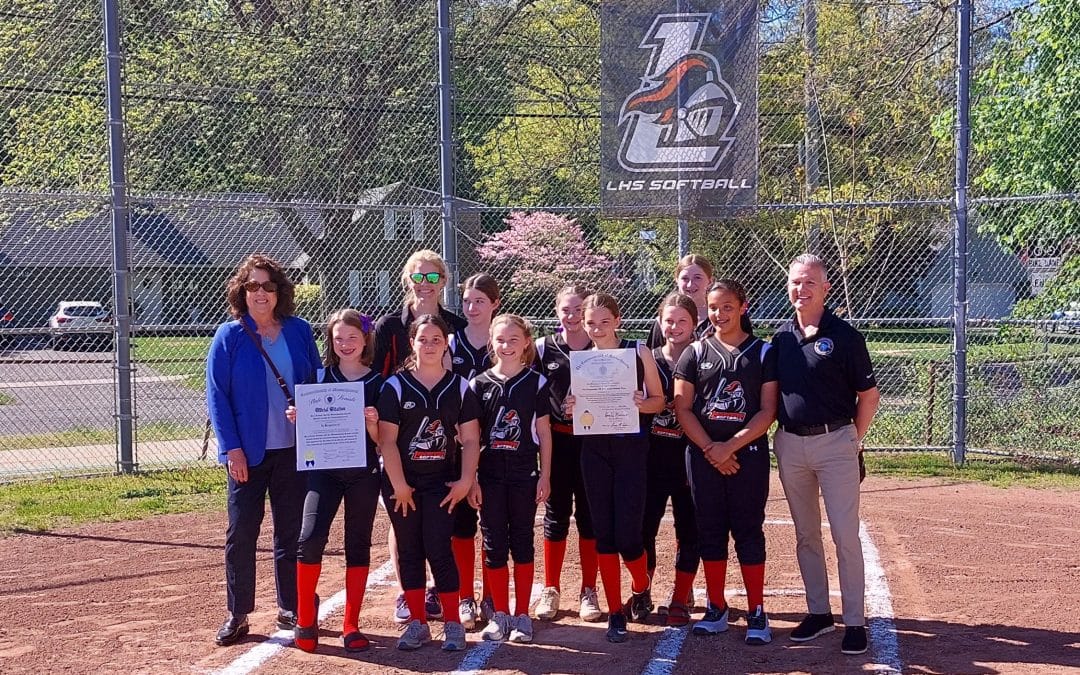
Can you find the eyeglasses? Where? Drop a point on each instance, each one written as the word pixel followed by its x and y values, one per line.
pixel 268 286
pixel 430 277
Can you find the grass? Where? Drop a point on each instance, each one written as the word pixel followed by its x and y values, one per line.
pixel 6 399
pixel 151 431
pixel 1002 473
pixel 175 356
pixel 66 502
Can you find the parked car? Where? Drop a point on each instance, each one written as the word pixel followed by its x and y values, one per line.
pixel 1066 320
pixel 70 316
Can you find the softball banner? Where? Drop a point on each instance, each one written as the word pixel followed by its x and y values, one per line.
pixel 678 105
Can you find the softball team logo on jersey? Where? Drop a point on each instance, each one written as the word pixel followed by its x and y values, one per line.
pixel 665 424
pixel 823 347
pixel 506 432
pixel 729 404
pixel 429 443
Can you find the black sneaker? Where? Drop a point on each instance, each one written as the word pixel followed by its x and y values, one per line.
pixel 814 625
pixel 432 603
pixel 854 640
pixel 640 605
pixel 616 627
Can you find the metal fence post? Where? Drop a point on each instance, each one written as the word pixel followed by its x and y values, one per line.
pixel 684 236
pixel 960 235
pixel 120 220
pixel 446 156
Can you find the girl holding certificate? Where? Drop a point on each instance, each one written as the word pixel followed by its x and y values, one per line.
pixel 667 462
pixel 468 357
pixel 421 410
pixel 726 394
pixel 567 489
pixel 516 431
pixel 349 347
pixel 613 467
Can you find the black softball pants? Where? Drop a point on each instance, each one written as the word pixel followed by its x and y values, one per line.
pixel 359 490
pixel 568 494
pixel 667 479
pixel 507 519
pixel 614 470
pixel 731 505
pixel 275 475
pixel 424 535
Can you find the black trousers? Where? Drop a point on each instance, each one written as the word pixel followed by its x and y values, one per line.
pixel 507 519
pixel 568 494
pixel 613 468
pixel 731 505
pixel 359 489
pixel 667 479
pixel 277 476
pixel 424 535
pixel 465 521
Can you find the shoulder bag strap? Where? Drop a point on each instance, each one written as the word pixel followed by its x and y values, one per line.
pixel 270 361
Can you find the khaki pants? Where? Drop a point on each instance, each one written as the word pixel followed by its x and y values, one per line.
pixel 828 463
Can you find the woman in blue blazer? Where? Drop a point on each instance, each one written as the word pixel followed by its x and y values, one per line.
pixel 255 440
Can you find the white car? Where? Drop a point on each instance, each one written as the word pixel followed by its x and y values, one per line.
pixel 71 316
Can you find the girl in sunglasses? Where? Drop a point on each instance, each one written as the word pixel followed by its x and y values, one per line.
pixel 423 278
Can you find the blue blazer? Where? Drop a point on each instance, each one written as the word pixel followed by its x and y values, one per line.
pixel 236 383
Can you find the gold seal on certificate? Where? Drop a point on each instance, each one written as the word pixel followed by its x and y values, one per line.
pixel 603 382
pixel 330 432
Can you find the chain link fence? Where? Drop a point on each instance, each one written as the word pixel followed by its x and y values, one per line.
pixel 312 133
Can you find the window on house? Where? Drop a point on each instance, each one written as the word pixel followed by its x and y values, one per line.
pixel 418 225
pixel 389 225
pixel 369 289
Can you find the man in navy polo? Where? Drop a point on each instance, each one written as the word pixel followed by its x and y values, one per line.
pixel 828 396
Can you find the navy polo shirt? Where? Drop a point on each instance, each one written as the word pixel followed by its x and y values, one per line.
pixel 820 376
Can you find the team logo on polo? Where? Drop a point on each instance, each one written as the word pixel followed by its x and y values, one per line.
pixel 553 366
pixel 506 432
pixel 682 115
pixel 458 360
pixel 429 443
pixel 729 403
pixel 823 347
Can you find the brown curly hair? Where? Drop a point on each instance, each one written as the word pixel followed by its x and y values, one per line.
pixel 237 296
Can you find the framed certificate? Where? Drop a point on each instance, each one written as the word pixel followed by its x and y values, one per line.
pixel 603 382
pixel 330 432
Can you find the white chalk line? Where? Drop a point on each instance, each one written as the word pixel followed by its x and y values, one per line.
pixel 477 657
pixel 884 648
pixel 268 649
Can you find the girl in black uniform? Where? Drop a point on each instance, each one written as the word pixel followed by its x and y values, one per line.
pixel 613 467
pixel 515 433
pixel 725 399
pixel 468 357
pixel 348 359
pixel 421 410
pixel 567 489
pixel 667 463
pixel 693 276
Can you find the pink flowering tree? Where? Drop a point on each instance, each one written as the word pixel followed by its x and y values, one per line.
pixel 541 252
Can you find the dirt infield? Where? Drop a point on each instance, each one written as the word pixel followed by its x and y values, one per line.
pixel 980 580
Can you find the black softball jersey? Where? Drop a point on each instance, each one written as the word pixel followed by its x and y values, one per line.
pixel 510 410
pixel 553 362
pixel 466 360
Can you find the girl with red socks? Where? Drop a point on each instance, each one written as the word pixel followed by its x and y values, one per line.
pixel 348 359
pixel 726 395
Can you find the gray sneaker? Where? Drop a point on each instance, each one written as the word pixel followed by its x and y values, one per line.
pixel 522 631
pixel 498 628
pixel 453 637
pixel 757 628
pixel 415 635
pixel 468 613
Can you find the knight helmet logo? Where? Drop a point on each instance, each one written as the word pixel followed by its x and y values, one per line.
pixel 682 115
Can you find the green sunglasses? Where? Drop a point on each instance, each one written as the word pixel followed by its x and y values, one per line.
pixel 430 277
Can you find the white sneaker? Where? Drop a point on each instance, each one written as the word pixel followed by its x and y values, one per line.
pixel 498 628
pixel 468 613
pixel 523 630
pixel 548 606
pixel 415 635
pixel 590 606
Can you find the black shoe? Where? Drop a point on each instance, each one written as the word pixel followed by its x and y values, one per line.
pixel 854 640
pixel 432 604
pixel 814 625
pixel 616 627
pixel 234 628
pixel 286 620
pixel 640 605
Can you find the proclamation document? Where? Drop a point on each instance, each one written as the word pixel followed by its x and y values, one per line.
pixel 603 382
pixel 330 431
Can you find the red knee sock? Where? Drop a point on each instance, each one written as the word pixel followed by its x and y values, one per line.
pixel 715 578
pixel 587 551
pixel 523 581
pixel 307 580
pixel 639 574
pixel 684 587
pixel 554 552
pixel 450 607
pixel 754 580
pixel 465 557
pixel 611 574
pixel 485 590
pixel 415 600
pixel 355 583
pixel 499 580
